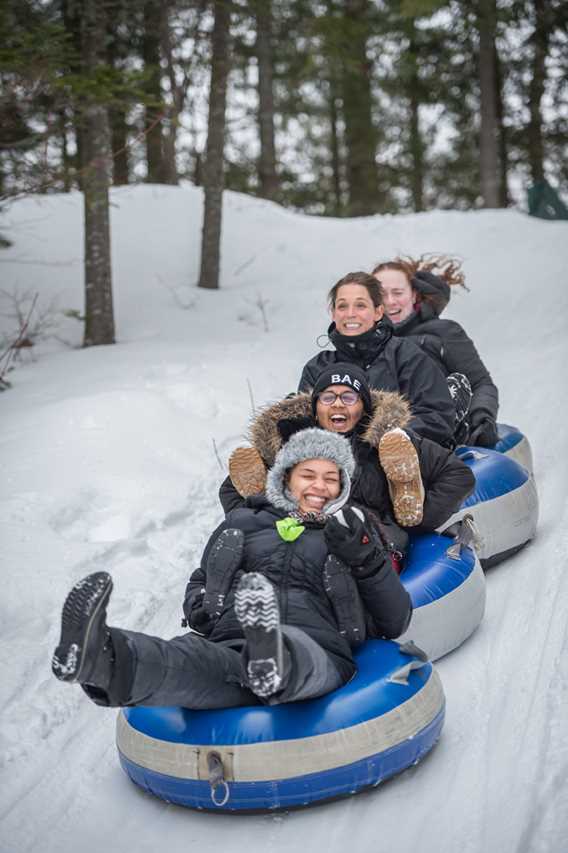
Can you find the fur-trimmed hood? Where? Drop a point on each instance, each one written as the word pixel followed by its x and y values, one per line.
pixel 390 410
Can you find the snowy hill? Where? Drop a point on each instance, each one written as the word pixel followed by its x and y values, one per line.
pixel 111 459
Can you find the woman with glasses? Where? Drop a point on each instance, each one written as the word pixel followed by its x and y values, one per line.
pixel 407 481
pixel 362 338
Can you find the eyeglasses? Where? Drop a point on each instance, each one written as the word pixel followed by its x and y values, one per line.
pixel 348 398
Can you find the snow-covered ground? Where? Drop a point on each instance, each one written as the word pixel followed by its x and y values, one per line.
pixel 111 458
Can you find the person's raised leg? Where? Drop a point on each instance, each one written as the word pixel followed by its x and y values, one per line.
pixel 117 667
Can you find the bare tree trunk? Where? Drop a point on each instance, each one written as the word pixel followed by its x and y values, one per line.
pixel 65 158
pixel 269 184
pixel 99 318
pixel 334 143
pixel 416 142
pixel 488 151
pixel 213 178
pixel 169 149
pixel 360 134
pixel 540 39
pixel 117 51
pixel 153 89
pixel 502 136
pixel 119 145
pixel 177 95
pixel 72 21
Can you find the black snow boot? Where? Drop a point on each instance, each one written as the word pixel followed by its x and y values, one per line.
pixel 223 561
pixel 256 606
pixel 85 652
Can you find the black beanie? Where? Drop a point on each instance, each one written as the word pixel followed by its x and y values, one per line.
pixel 344 373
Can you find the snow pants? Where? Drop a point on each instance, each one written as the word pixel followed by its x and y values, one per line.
pixel 194 672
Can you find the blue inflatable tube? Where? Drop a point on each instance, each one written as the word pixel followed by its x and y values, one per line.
pixel 447 588
pixel 271 757
pixel 515 445
pixel 504 504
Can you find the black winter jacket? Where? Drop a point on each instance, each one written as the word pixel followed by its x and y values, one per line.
pixel 447 480
pixel 446 342
pixel 296 571
pixel 393 364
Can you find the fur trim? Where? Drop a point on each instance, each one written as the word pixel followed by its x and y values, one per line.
pixel 263 431
pixel 390 410
pixel 313 443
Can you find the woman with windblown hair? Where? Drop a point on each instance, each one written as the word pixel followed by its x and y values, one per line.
pixel 415 292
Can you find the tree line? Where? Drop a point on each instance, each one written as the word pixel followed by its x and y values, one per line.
pixel 331 107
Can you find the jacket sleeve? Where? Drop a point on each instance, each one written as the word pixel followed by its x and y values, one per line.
pixel 229 497
pixel 386 602
pixel 460 355
pixel 424 386
pixel 195 590
pixel 447 483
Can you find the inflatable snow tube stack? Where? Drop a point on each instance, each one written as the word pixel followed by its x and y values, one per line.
pixel 272 757
pixel 504 504
pixel 447 587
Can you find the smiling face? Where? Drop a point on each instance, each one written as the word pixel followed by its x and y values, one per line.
pixel 398 296
pixel 313 483
pixel 354 311
pixel 338 417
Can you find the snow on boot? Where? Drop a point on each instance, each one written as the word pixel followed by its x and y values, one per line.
pixel 223 561
pixel 247 471
pixel 399 461
pixel 84 653
pixel 256 606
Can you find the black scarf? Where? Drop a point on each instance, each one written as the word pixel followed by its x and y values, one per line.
pixel 362 349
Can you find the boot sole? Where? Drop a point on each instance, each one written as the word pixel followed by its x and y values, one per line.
pixel 399 461
pixel 247 471
pixel 80 611
pixel 256 607
pixel 224 559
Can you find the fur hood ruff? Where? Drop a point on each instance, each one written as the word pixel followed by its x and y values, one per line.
pixel 390 410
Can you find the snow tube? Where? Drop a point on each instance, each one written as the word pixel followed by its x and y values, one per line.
pixel 271 757
pixel 504 504
pixel 447 588
pixel 515 445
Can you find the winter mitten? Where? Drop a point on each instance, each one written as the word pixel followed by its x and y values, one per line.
pixel 484 433
pixel 247 471
pixel 288 426
pixel 399 461
pixel 430 284
pixel 349 537
pixel 84 653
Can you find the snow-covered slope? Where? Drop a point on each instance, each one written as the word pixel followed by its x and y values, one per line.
pixel 111 459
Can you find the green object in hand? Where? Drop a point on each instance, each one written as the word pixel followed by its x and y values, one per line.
pixel 289 529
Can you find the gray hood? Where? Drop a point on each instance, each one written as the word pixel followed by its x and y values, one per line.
pixel 310 443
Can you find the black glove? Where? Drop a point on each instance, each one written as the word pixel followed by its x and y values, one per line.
pixel 433 286
pixel 355 542
pixel 288 426
pixel 484 433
